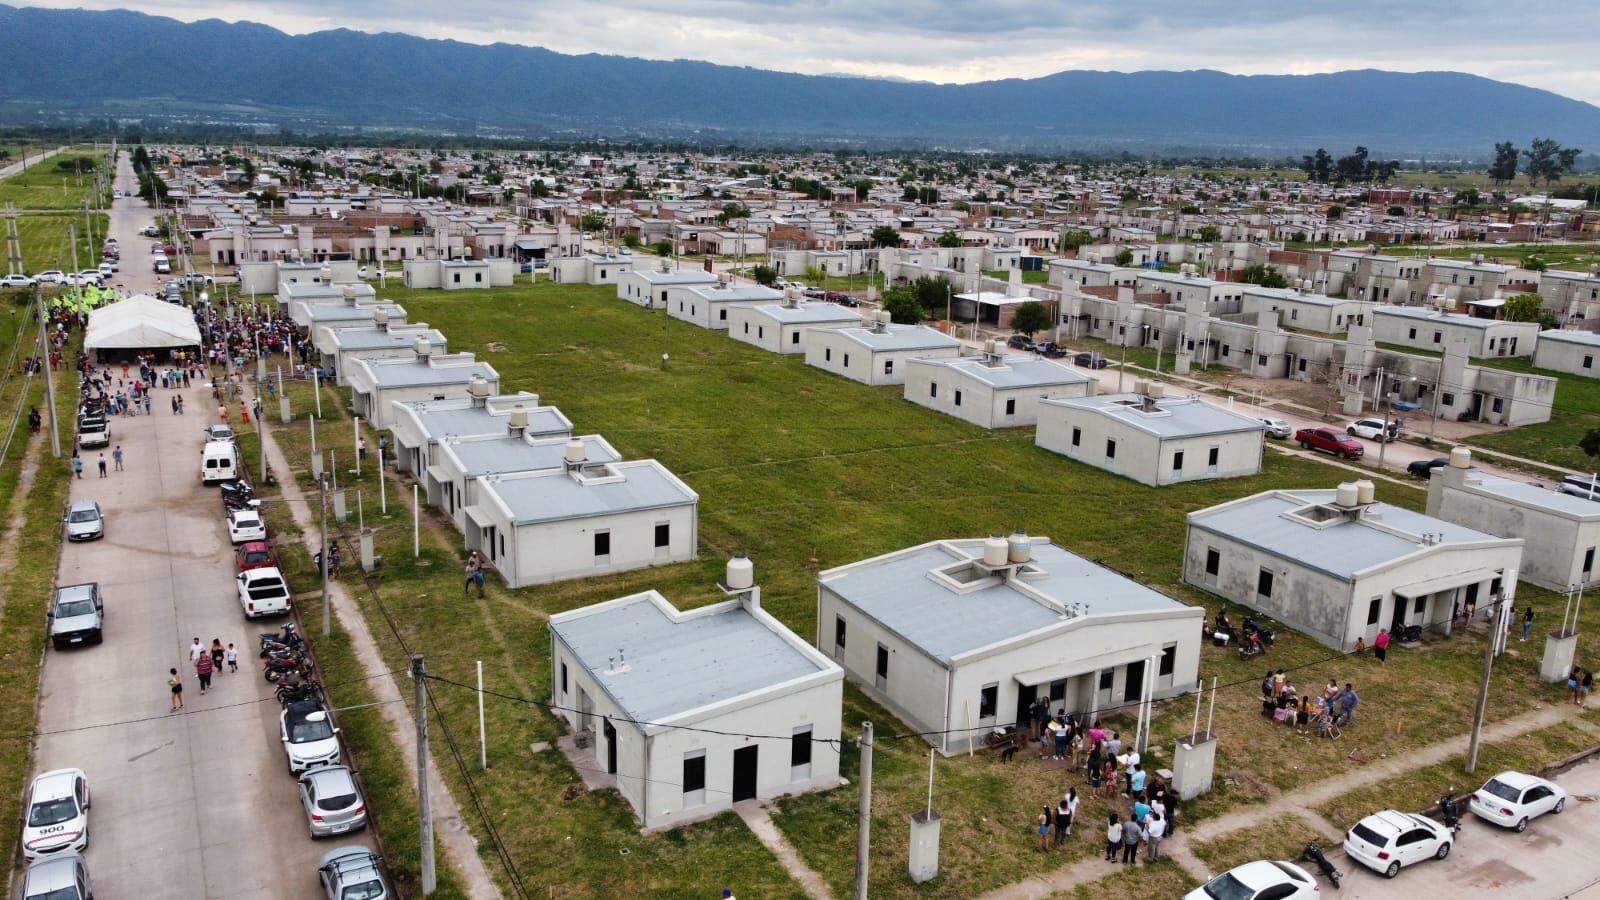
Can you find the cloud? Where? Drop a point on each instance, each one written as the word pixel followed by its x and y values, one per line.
pixel 1538 42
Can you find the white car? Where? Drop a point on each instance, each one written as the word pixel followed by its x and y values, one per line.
pixel 1510 799
pixel 262 592
pixel 246 525
pixel 51 276
pixel 1388 840
pixel 107 268
pixel 57 818
pixel 218 432
pixel 1371 429
pixel 1259 880
pixel 15 281
pixel 308 736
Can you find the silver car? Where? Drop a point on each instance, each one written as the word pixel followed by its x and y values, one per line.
pixel 84 521
pixel 332 801
pixel 353 873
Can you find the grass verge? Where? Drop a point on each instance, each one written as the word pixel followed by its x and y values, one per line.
pixel 1282 838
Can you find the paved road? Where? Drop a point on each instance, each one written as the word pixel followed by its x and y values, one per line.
pixel 32 160
pixel 185 806
pixel 1554 858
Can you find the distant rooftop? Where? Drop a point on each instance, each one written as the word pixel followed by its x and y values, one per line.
pixel 1165 417
pixel 620 487
pixel 899 337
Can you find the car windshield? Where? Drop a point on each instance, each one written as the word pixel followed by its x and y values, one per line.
pixel 1227 887
pixel 52 812
pixel 246 521
pixel 257 556
pixel 366 890
pixel 1502 790
pixel 337 802
pixel 304 730
pixel 65 893
pixel 1370 836
pixel 71 608
pixel 82 515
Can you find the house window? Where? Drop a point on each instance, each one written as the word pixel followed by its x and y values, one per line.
pixel 694 778
pixel 1077 435
pixel 502 545
pixel 1498 404
pixel 933 389
pixel 1177 461
pixel 1373 608
pixel 882 669
pixel 1225 350
pixel 1213 562
pixel 1448 399
pixel 1419 605
pixel 958 398
pixel 1438 336
pixel 1058 690
pixel 664 534
pixel 1264 583
pixel 847 360
pixel 747 328
pixel 1111 449
pixel 794 338
pixel 1302 365
pixel 563 679
pixel 827 354
pixel 602 543
pixel 1211 456
pixel 988 698
pixel 1294 315
pixel 1588 561
pixel 1494 587
pixel 1011 407
pixel 722 316
pixel 800 750
pixel 1106 676
pixel 888 367
pixel 455 278
pixel 1261 359
pixel 838 633
pixel 760 333
pixel 1169 660
pixel 1411 334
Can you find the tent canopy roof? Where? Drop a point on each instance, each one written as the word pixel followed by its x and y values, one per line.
pixel 140 322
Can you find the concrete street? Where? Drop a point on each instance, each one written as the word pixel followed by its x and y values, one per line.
pixel 1553 859
pixel 190 804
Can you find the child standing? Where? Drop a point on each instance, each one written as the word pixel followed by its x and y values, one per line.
pixel 233 659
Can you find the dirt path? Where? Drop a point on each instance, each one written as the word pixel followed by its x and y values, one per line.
pixel 15 513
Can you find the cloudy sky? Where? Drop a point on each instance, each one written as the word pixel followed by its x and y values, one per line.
pixel 1539 43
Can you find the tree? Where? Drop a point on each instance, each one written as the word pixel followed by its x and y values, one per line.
pixel 932 293
pixel 1590 443
pixel 863 187
pixel 591 222
pixel 631 241
pixel 661 248
pixel 1535 263
pixel 1072 240
pixel 902 307
pixel 1263 275
pixel 1469 197
pixel 949 239
pixel 1031 317
pixel 1209 234
pixel 538 188
pixel 1335 212
pixel 1124 257
pixel 1396 210
pixel 731 211
pixel 885 236
pixel 1548 160
pixel 1528 308
pixel 766 276
pixel 1318 167
pixel 1504 167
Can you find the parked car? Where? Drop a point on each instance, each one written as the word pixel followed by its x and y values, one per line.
pixel 61 877
pixel 1389 839
pixel 814 293
pixel 218 432
pixel 106 270
pixel 1329 441
pixel 160 266
pixel 1020 342
pixel 57 817
pixel 1277 428
pixel 1373 429
pixel 1259 880
pixel 848 300
pixel 51 276
pixel 262 592
pixel 84 521
pixel 332 801
pixel 308 736
pixel 198 279
pixel 87 277
pixel 246 525
pixel 94 431
pixel 1423 468
pixel 1090 361
pixel 1510 799
pixel 1586 486
pixel 254 555
pixel 1051 350
pixel 16 281
pixel 77 615
pixel 353 873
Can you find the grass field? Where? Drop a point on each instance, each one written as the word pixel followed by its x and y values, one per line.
pixel 1577 409
pixel 47 186
pixel 1039 277
pixel 1572 257
pixel 46 244
pixel 1283 838
pixel 804 471
pixel 15 390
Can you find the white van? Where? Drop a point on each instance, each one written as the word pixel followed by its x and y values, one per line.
pixel 160 266
pixel 219 461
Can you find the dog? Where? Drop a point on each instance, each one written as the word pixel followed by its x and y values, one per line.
pixel 1008 753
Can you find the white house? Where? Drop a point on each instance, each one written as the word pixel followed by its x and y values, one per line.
pixel 1426 329
pixel 695 711
pixel 590 269
pixel 1152 438
pixel 1338 566
pixel 1305 310
pixel 266 277
pixel 1572 352
pixel 648 287
pixel 338 347
pixel 459 274
pixel 995 390
pixel 376 384
pixel 876 355
pixel 781 327
pixel 958 637
pixel 458 462
pixel 419 425
pixel 709 305
pixel 584 519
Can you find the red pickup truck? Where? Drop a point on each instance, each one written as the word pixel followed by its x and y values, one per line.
pixel 1329 441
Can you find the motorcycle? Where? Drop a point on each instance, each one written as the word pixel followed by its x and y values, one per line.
pixel 1251 646
pixel 291 690
pixel 289 638
pixel 1315 854
pixel 276 667
pixel 1267 635
pixel 1450 812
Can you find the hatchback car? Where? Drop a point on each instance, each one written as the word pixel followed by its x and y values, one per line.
pixel 1259 880
pixel 254 555
pixel 64 876
pixel 332 801
pixel 218 433
pixel 1020 342
pixel 353 873
pixel 308 736
pixel 84 522
pixel 1277 428
pixel 1372 428
pixel 1510 799
pixel 57 817
pixel 246 525
pixel 1388 840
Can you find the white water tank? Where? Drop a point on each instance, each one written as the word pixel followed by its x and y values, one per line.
pixel 884 318
pixel 423 348
pixel 478 389
pixel 995 551
pixel 519 417
pixel 1460 458
pixel 1141 387
pixel 1365 490
pixel 1020 549
pixel 741 573
pixel 1346 495
pixel 1156 390
pixel 574 453
pixel 349 293
pixel 380 318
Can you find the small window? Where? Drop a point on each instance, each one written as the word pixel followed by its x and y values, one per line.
pixel 933 389
pixel 827 354
pixel 1264 583
pixel 1419 605
pixel 1438 336
pixel 1261 359
pixel 888 367
pixel 1448 399
pixel 1169 660
pixel 1111 449
pixel 694 772
pixel 847 360
pixel 722 316
pixel 988 698
pixel 838 632
pixel 1213 562
pixel 883 663
pixel 958 398
pixel 1177 461
pixel 1225 350
pixel 1411 334
pixel 664 534
pixel 1373 609
pixel 1106 675
pixel 1588 362
pixel 747 328
pixel 602 543
pixel 1498 404
pixel 1588 559
pixel 563 678
pixel 1077 435
pixel 760 332
pixel 1211 456
pixel 1011 407
pixel 800 747
pixel 794 337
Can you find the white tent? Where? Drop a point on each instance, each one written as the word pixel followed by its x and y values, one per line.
pixel 140 322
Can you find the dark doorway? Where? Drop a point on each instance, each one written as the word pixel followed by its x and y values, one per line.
pixel 1133 687
pixel 744 773
pixel 1397 622
pixel 611 748
pixel 1025 695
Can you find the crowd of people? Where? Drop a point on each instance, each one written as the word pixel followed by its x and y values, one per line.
pixel 1322 712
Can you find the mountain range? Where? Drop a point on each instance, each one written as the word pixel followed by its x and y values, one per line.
pixel 128 65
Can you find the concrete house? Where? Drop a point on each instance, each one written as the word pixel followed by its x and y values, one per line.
pixel 648 287
pixel 1305 310
pixel 266 277
pixel 1338 566
pixel 1560 531
pixel 1152 438
pixel 590 269
pixel 1083 273
pixel 876 355
pixel 458 462
pixel 709 305
pixel 692 712
pixel 338 347
pixel 781 327
pixel 957 637
pixel 459 274
pixel 1571 295
pixel 1571 352
pixel 995 390
pixel 1426 329
pixel 290 293
pixel 581 520
pixel 376 384
pixel 419 425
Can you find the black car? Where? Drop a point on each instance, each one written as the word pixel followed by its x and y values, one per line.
pixel 1423 468
pixel 1090 360
pixel 1020 342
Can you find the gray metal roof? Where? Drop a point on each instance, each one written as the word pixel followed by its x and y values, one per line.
pixel 898 337
pixel 401 372
pixel 467 421
pixel 375 338
pixel 897 591
pixel 314 313
pixel 1341 549
pixel 677 664
pixel 1586 338
pixel 1173 417
pixel 676 276
pixel 1289 295
pixel 1015 371
pixel 489 456
pixel 1418 313
pixel 1524 494
pixel 807 313
pixel 552 496
pixel 736 293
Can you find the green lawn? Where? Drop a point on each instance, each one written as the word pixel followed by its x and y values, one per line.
pixel 1039 277
pixel 803 471
pixel 1282 838
pixel 1577 409
pixel 1572 257
pixel 45 243
pixel 47 186
pixel 17 322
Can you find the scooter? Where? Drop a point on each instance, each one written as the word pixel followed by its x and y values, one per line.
pixel 289 638
pixel 1315 854
pixel 1251 646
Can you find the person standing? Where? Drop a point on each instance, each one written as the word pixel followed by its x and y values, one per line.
pixel 196 650
pixel 1113 834
pixel 233 660
pixel 180 402
pixel 217 654
pixel 1380 646
pixel 1574 679
pixel 1065 811
pixel 1585 684
pixel 361 449
pixel 77 466
pixel 203 668
pixel 1037 714
pixel 1154 829
pixel 116 457
pixel 1527 624
pixel 1041 824
pixel 175 688
pixel 101 462
pixel 222 414
pixel 474 575
pixel 1131 835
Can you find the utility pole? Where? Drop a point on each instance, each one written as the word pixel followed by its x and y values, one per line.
pixel 864 813
pixel 1507 593
pixel 327 604
pixel 419 675
pixel 49 377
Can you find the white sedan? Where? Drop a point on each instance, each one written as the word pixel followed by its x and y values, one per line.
pixel 1388 840
pixel 1510 799
pixel 246 525
pixel 1259 880
pixel 1371 429
pixel 57 817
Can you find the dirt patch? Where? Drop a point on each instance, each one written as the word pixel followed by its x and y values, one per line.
pixel 494 347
